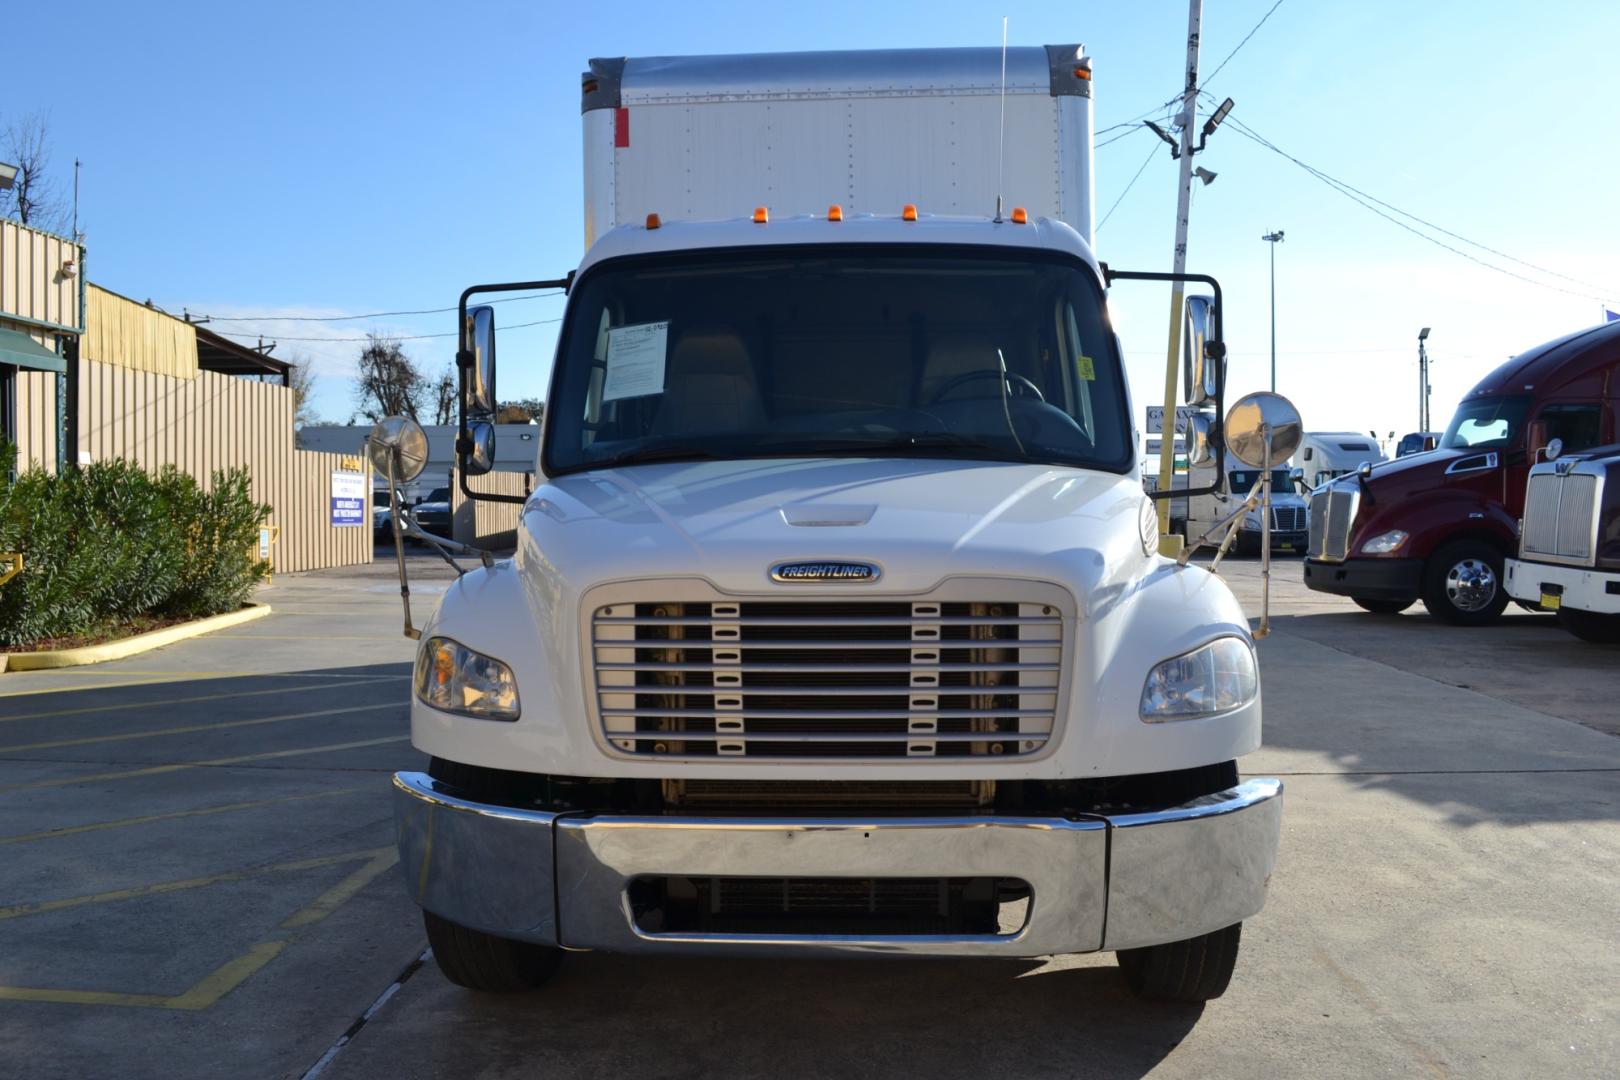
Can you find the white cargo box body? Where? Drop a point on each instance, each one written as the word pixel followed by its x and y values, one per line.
pixel 712 137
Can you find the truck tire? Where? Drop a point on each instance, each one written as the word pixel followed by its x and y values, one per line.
pixel 1462 583
pixel 1593 626
pixel 1384 607
pixel 480 961
pixel 1194 970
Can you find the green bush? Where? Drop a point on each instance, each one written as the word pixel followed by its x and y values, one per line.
pixel 110 542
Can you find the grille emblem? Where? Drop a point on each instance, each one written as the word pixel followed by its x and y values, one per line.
pixel 810 573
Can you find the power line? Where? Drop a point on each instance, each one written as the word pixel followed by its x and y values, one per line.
pixel 1211 77
pixel 388 337
pixel 1371 203
pixel 1152 152
pixel 1116 138
pixel 368 315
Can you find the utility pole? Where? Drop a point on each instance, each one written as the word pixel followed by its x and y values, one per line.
pixel 1167 439
pixel 1274 238
pixel 1423 380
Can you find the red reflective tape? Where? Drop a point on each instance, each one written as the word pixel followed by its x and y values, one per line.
pixel 621 127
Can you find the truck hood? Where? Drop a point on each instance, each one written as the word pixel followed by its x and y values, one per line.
pixel 920 521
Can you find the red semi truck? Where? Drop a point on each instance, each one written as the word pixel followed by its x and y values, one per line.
pixel 1438 526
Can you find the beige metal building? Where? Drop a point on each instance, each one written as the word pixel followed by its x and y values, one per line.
pixel 160 391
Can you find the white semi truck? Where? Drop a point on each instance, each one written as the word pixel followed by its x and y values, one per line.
pixel 836 623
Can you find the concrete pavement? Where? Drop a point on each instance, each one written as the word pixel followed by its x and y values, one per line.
pixel 1444 904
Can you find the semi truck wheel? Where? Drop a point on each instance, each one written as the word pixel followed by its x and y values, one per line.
pixel 1384 607
pixel 1462 584
pixel 1593 626
pixel 1194 970
pixel 480 961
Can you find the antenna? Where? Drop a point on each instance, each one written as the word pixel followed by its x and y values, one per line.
pixel 76 238
pixel 1001 149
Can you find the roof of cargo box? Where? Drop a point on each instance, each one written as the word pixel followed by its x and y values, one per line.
pixel 1050 69
pixel 1043 234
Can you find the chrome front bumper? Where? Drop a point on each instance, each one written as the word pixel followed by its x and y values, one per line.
pixel 1096 882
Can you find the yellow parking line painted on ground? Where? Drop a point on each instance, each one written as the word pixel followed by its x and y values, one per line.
pixel 148 819
pixel 163 677
pixel 231 974
pixel 124 705
pixel 159 770
pixel 82 686
pixel 192 729
pixel 18 911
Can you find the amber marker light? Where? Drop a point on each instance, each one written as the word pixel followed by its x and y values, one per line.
pixel 761 215
pixel 835 213
pixel 1019 216
pixel 908 212
pixel 653 222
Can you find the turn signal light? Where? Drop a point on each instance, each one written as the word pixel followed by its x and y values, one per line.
pixel 1019 216
pixel 653 222
pixel 761 215
pixel 908 212
pixel 1083 73
pixel 835 213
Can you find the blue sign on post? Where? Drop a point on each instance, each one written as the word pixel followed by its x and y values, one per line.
pixel 348 498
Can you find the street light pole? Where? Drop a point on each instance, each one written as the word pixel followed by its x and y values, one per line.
pixel 1273 238
pixel 1423 380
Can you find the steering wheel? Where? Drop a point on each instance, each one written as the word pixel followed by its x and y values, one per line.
pixel 1012 377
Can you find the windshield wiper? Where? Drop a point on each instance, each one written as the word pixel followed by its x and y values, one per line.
pixel 902 441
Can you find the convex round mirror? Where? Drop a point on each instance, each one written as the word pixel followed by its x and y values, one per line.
pixel 401 434
pixel 1248 423
pixel 480 336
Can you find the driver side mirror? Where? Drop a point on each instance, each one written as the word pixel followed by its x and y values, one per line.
pixel 476 442
pixel 1203 356
pixel 1297 478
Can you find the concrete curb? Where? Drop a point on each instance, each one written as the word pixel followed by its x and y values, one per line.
pixel 117 650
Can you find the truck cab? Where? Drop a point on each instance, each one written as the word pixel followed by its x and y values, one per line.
pixel 1327 455
pixel 836 623
pixel 1569 542
pixel 1439 525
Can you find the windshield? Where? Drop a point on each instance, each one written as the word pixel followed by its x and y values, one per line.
pixel 841 351
pixel 1485 422
pixel 1243 480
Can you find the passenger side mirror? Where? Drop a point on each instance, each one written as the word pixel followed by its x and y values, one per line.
pixel 479 388
pixel 1297 477
pixel 1203 357
pixel 480 457
pixel 1202 434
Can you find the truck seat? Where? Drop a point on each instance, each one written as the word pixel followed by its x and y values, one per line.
pixel 954 356
pixel 710 387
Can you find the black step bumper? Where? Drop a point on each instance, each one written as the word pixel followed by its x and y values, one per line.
pixel 1366 579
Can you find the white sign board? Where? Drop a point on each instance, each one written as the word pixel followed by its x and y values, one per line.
pixel 1155 418
pixel 348 498
pixel 635 360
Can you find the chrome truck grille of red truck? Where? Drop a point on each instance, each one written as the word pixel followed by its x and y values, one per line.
pixel 1559 518
pixel 829 677
pixel 1333 513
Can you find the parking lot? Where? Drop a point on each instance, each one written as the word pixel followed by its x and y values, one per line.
pixel 200 882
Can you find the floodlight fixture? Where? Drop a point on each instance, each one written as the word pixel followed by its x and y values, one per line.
pixel 8 175
pixel 1215 119
pixel 1423 334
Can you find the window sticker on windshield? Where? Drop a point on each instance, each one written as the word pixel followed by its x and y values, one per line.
pixel 635 360
pixel 1088 370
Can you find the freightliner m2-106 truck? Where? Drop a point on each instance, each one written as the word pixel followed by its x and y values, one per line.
pixel 836 622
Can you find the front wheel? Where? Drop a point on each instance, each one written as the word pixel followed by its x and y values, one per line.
pixel 480 961
pixel 1195 970
pixel 1384 607
pixel 1593 626
pixel 1462 584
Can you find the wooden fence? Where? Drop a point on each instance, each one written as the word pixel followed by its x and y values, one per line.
pixel 486 524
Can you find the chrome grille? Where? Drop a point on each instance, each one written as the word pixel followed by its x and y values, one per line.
pixel 813 678
pixel 1332 514
pixel 1558 516
pixel 1288 518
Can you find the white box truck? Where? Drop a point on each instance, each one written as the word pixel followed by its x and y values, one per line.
pixel 836 623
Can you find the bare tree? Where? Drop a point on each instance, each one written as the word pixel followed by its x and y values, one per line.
pixel 388 382
pixel 445 389
pixel 301 380
pixel 33 198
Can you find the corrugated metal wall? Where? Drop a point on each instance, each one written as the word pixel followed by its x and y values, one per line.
pixel 488 524
pixel 31 280
pixel 212 422
pixel 36 419
pixel 131 335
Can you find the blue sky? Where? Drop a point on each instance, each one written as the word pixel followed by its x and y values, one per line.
pixel 346 158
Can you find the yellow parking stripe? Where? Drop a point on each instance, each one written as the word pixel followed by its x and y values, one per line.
pixel 191 729
pixel 123 706
pixel 159 770
pixel 160 677
pixel 147 819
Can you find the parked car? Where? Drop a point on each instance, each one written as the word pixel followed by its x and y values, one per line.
pixel 1439 526
pixel 433 512
pixel 1569 543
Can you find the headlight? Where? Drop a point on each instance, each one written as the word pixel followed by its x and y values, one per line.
pixel 1214 678
pixel 452 677
pixel 1384 543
